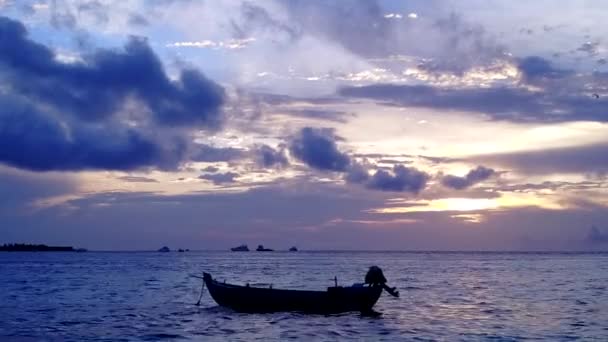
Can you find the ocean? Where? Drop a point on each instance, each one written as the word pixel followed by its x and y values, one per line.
pixel 146 296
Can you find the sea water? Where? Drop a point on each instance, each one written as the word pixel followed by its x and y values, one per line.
pixel 444 296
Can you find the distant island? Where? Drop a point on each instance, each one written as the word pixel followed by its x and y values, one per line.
pixel 241 248
pixel 23 247
pixel 262 249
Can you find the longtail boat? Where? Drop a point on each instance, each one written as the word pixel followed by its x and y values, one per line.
pixel 336 299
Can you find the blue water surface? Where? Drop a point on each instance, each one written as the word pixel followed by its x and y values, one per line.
pixel 444 296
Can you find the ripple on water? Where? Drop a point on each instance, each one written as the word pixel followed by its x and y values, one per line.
pixel 460 296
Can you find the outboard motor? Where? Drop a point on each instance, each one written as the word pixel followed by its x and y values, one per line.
pixel 375 277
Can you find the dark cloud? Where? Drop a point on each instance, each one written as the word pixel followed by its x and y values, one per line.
pixel 317 148
pixel 500 102
pixel 269 157
pixel 37 141
pixel 357 173
pixel 577 159
pixel 71 116
pixel 534 67
pixel 402 179
pixel 220 178
pixel 137 179
pixel 473 177
pixel 210 154
pixel 211 169
pixel 98 87
pixel 565 96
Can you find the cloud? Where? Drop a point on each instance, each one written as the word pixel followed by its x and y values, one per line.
pixel 138 179
pixel 402 179
pixel 62 16
pixel 95 9
pixel 370 31
pixel 232 44
pixel 473 177
pixel 501 102
pixel 317 148
pixel 560 95
pixel 211 169
pixel 220 178
pixel 36 141
pixel 98 87
pixel 357 173
pixel 210 154
pixel 534 67
pixel 21 188
pixel 269 157
pixel 318 114
pixel 590 48
pixel 258 17
pixel 112 110
pixel 577 159
pixel 136 19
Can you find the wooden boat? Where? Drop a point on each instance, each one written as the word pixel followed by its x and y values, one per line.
pixel 335 299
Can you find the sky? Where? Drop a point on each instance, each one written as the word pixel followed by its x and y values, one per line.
pixel 368 125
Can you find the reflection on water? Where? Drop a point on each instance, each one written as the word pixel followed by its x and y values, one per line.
pixel 444 296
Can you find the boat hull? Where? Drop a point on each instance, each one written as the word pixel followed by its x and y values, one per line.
pixel 263 300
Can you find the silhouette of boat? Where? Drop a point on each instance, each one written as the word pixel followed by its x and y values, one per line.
pixel 293 249
pixel 262 249
pixel 335 299
pixel 241 248
pixel 164 249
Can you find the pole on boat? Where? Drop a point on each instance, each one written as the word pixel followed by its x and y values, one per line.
pixel 198 303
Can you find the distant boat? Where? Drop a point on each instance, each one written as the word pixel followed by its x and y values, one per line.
pixel 181 250
pixel 335 299
pixel 241 248
pixel 165 249
pixel 262 249
pixel 293 249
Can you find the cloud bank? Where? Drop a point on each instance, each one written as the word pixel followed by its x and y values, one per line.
pixel 112 110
